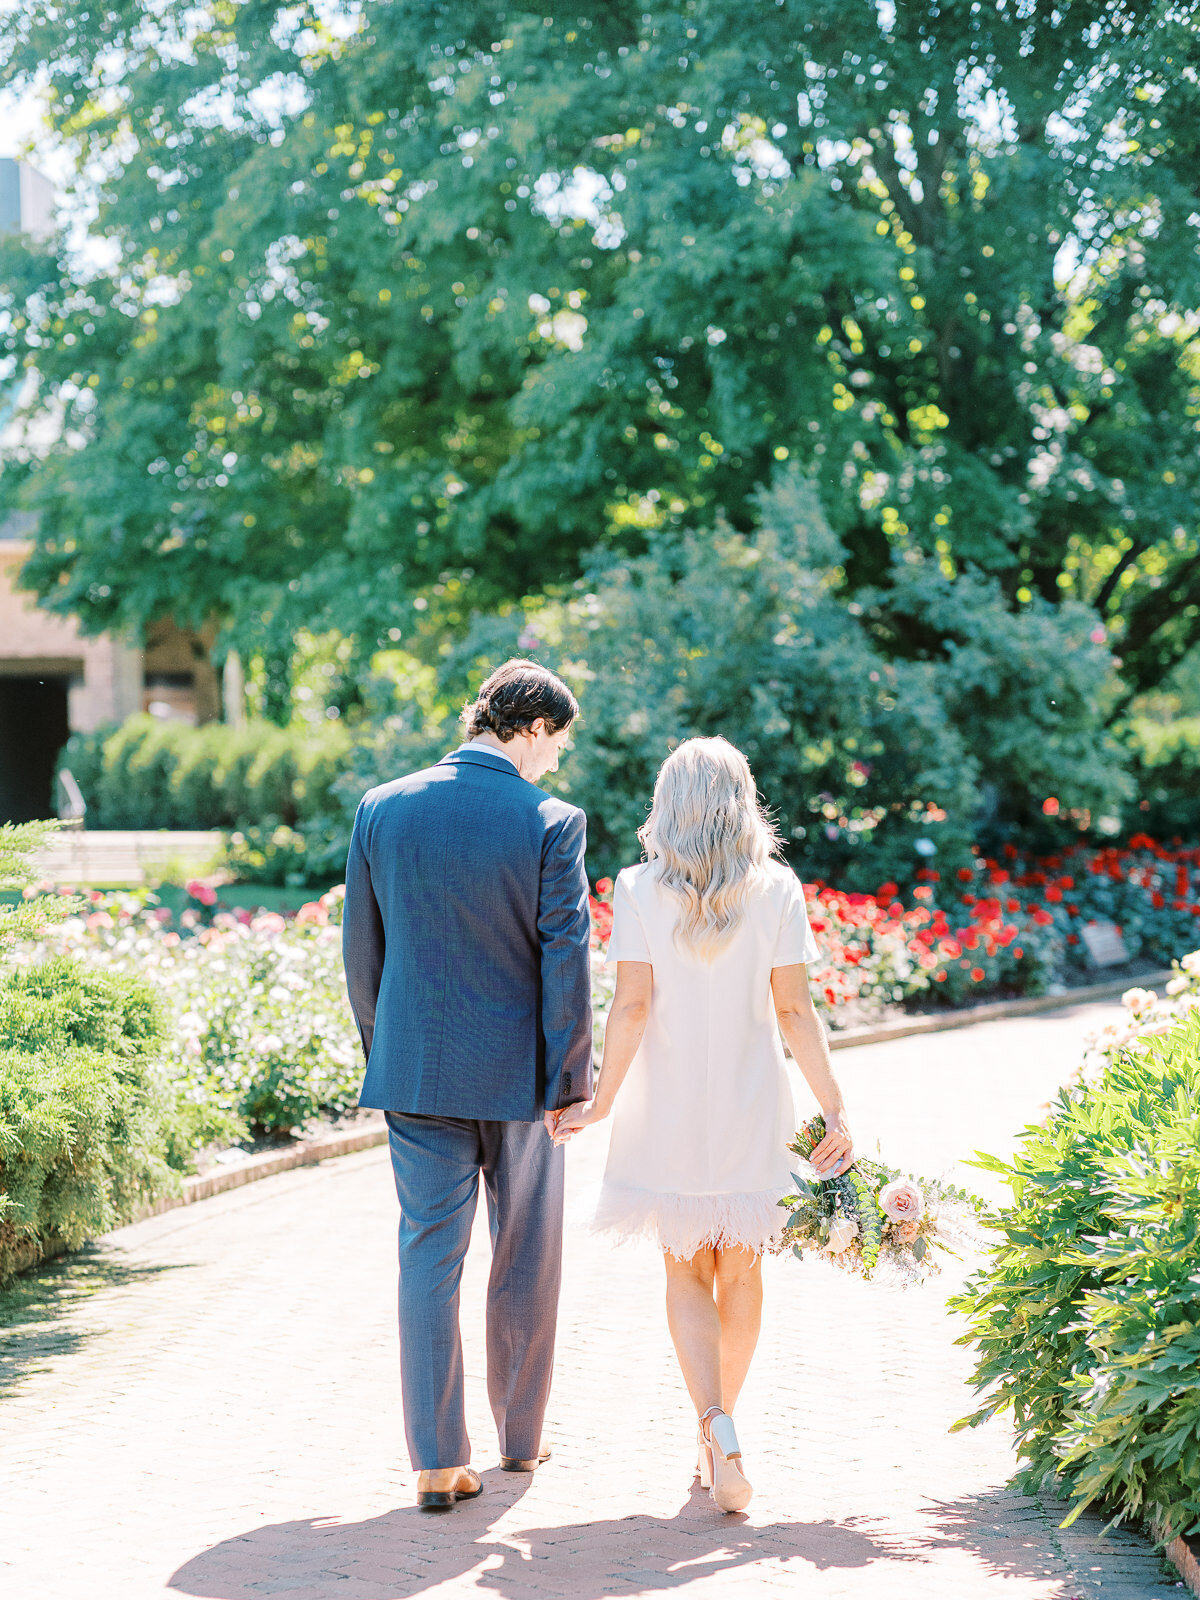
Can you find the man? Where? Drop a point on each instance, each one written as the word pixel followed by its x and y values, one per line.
pixel 466 948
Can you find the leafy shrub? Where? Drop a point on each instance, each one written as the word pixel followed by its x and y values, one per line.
pixel 872 749
pixel 1087 1319
pixel 313 853
pixel 1167 774
pixel 86 1125
pixel 58 1002
pixel 84 1111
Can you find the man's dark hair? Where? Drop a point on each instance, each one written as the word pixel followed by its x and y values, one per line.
pixel 514 697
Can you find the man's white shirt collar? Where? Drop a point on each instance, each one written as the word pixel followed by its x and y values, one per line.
pixel 478 744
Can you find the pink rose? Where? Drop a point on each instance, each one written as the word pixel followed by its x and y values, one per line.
pixel 902 1201
pixel 904 1232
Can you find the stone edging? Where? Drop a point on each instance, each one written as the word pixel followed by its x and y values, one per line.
pixel 1184 1556
pixel 996 1010
pixel 266 1165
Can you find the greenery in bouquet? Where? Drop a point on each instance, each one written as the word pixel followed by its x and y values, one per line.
pixel 874 1217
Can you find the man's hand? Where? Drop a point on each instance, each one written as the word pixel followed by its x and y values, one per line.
pixel 559 1125
pixel 573 1118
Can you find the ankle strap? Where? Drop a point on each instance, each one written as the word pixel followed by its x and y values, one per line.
pixel 713 1411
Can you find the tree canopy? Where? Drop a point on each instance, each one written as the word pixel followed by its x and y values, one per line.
pixel 415 290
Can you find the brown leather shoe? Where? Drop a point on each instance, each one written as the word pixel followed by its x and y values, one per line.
pixel 443 1487
pixel 518 1464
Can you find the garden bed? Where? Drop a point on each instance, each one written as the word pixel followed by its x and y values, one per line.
pixel 260 1049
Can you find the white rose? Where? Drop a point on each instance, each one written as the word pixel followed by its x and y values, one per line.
pixel 1137 1000
pixel 902 1201
pixel 1191 963
pixel 842 1233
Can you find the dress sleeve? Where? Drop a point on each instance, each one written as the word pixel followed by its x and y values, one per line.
pixel 628 939
pixel 795 942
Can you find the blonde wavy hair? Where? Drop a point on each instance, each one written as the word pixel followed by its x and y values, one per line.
pixel 710 838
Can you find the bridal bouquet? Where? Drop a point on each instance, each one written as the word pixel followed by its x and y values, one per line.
pixel 874 1217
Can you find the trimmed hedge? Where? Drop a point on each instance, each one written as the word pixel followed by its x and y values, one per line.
pixel 148 773
pixel 1087 1320
pixel 85 1115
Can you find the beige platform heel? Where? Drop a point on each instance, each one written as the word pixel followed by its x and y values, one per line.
pixel 720 1463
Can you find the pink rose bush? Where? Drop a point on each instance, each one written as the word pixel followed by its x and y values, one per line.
pixel 1145 1017
pixel 262 1032
pixel 873 1218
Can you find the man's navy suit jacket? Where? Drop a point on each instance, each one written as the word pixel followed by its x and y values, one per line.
pixel 465 938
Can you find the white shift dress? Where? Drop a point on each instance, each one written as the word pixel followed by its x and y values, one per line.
pixel 698 1155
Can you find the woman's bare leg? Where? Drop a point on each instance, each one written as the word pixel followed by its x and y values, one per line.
pixel 695 1326
pixel 738 1281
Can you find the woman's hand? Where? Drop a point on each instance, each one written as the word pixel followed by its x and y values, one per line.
pixel 835 1153
pixel 573 1118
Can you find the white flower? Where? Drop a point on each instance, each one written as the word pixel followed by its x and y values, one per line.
pixel 1139 1000
pixel 1191 963
pixel 842 1233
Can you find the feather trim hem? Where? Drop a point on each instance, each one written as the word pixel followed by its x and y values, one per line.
pixel 683 1224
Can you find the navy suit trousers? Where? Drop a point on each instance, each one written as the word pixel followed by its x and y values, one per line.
pixel 437 1162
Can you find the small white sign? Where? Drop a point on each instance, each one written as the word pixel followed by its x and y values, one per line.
pixel 1105 944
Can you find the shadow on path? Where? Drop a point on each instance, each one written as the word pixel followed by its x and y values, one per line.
pixel 406 1552
pixel 36 1308
pixel 1018 1536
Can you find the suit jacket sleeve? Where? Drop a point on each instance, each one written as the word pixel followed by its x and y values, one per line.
pixel 564 932
pixel 362 938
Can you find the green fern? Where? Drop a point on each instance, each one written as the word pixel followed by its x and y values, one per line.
pixel 858 1202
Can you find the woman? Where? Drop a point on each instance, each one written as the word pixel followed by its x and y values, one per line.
pixel 711 938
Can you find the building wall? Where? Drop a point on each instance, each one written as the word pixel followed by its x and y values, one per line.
pixel 105 673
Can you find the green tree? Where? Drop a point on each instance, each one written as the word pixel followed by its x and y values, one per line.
pixel 867 761
pixel 457 287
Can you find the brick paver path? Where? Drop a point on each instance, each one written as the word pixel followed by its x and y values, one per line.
pixel 207 1404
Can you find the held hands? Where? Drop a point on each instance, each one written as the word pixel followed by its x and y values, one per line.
pixel 835 1153
pixel 561 1125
